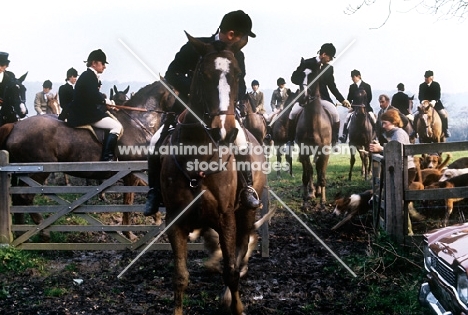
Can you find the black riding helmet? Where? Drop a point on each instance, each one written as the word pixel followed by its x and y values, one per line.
pixel 328 49
pixel 47 84
pixel 71 73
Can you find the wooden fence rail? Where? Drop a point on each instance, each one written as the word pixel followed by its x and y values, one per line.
pixel 79 207
pixel 393 213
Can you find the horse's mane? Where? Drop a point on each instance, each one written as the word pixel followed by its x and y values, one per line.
pixel 142 95
pixel 219 45
pixel 360 97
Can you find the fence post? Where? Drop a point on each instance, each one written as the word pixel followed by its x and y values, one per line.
pixel 394 214
pixel 5 218
pixel 377 187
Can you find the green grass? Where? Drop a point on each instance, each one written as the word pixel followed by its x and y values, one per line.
pixel 16 260
pixel 55 292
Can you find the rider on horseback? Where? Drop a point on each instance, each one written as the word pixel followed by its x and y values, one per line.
pixel 354 88
pixel 7 78
pixel 65 92
pixel 429 90
pixel 303 76
pixel 233 27
pixel 42 97
pixel 84 108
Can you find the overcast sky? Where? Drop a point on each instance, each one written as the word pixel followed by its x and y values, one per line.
pixel 48 37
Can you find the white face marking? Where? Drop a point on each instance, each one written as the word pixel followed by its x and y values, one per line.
pixel 224 89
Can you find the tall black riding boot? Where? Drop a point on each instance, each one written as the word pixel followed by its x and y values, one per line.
pixel 248 195
pixel 108 149
pixel 269 132
pixel 444 120
pixel 291 131
pixel 335 132
pixel 344 137
pixel 154 197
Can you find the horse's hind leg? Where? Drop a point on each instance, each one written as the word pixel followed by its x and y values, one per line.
pixel 128 198
pixel 308 189
pixel 178 240
pixel 27 200
pixel 321 168
pixel 365 164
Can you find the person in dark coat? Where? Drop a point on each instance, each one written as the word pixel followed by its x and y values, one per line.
pixel 86 99
pixel 234 26
pixel 65 93
pixel 401 100
pixel 429 90
pixel 353 93
pixel 7 79
pixel 304 74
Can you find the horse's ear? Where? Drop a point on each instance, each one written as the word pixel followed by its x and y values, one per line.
pixel 126 90
pixel 115 89
pixel 111 93
pixel 21 78
pixel 199 46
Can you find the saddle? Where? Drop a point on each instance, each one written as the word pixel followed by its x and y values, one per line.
pixel 99 133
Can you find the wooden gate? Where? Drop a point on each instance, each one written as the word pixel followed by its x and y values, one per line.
pixel 79 207
pixel 394 194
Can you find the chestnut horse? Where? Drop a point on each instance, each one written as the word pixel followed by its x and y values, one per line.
pixel 428 124
pixel 361 133
pixel 314 135
pixel 211 193
pixel 53 104
pixel 254 122
pixel 26 143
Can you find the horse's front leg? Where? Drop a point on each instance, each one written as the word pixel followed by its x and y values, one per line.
pixel 351 164
pixel 231 274
pixel 128 198
pixel 246 237
pixel 178 240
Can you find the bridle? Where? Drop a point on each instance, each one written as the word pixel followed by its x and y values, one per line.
pixel 199 93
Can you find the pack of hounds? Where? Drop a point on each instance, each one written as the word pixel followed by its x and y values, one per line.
pixel 432 171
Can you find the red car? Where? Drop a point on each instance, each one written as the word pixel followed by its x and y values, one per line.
pixel 446 262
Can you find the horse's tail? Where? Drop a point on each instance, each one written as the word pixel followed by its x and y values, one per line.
pixel 5 131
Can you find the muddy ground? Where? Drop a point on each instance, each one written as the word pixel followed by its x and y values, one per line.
pixel 299 277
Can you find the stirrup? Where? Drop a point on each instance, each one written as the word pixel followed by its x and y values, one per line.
pixel 251 189
pixel 249 197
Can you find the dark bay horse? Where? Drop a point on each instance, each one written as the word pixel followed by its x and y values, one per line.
pixel 13 102
pixel 254 122
pixel 279 135
pixel 44 138
pixel 428 124
pixel 211 193
pixel 314 136
pixel 119 97
pixel 361 133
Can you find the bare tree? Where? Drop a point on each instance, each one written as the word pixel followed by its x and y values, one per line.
pixel 442 8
